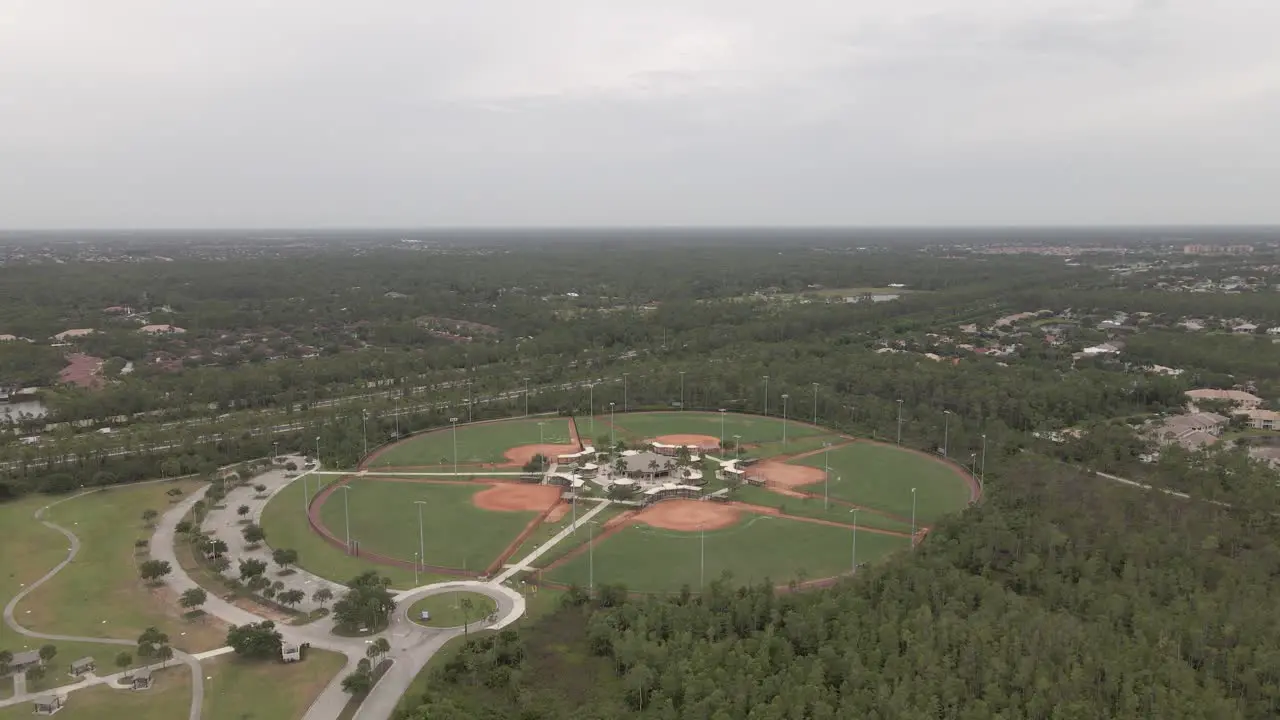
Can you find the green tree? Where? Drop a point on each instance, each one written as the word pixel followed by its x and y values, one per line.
pixel 284 557
pixel 252 568
pixel 193 598
pixel 254 534
pixel 255 640
pixel 154 570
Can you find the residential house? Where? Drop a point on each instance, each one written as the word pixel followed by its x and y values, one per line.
pixel 1192 431
pixel 1245 329
pixel 161 330
pixel 1241 399
pixel 73 333
pixel 1263 419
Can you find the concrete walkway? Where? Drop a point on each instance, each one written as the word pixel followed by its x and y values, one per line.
pixel 197 679
pixel 528 560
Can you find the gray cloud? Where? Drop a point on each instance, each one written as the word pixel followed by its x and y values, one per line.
pixel 150 113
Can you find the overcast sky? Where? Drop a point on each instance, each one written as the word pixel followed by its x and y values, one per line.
pixel 232 113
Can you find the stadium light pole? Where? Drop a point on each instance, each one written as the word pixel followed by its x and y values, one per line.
pixel 613 437
pixel 766 395
pixel 397 417
pixel 722 427
pixel 454 422
pixel 624 393
pixel 591 407
pixel 318 451
pixel 540 424
pixel 826 473
pixel 422 548
pixel 415 569
pixel 946 431
pixel 983 472
pixel 737 450
pixel 682 391
pixel 899 421
pixel 526 397
pixel 469 403
pixel 913 518
pixel 591 558
pixel 784 419
pixel 364 430
pixel 815 403
pixel 275 451
pixel 346 513
pixel 702 558
pixel 854 566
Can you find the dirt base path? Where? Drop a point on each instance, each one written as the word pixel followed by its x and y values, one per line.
pixel 701 442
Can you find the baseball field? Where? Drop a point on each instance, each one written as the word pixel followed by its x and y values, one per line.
pixel 794 521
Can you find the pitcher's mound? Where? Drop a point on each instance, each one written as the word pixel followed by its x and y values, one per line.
pixel 787 476
pixel 688 515
pixel 509 497
pixel 702 442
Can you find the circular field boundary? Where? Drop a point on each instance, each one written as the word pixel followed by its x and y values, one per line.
pixel 318 526
pixel 574 439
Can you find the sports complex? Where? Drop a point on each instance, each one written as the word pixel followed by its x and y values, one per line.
pixel 651 500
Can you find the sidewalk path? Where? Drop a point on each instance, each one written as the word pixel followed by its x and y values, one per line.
pixel 538 551
pixel 197 679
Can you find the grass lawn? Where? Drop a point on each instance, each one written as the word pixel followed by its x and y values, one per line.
pixel 456 533
pixel 478 443
pixel 246 690
pixel 650 560
pixel 99 593
pixel 754 429
pixel 168 698
pixel 287 527
pixel 812 508
pixel 30 549
pixel 793 446
pixel 881 477
pixel 446 609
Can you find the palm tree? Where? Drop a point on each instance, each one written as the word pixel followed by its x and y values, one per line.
pixel 465 604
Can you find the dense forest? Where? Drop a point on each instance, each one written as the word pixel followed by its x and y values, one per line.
pixel 1062 597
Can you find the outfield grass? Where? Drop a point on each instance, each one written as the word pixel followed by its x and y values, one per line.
pixel 478 443
pixel 99 594
pixel 446 609
pixel 287 527
pixel 812 508
pixel 881 477
pixel 760 547
pixel 246 690
pixel 456 533
pixel 754 429
pixel 168 698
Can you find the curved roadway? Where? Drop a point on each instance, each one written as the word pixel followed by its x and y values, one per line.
pixel 197 679
pixel 411 644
